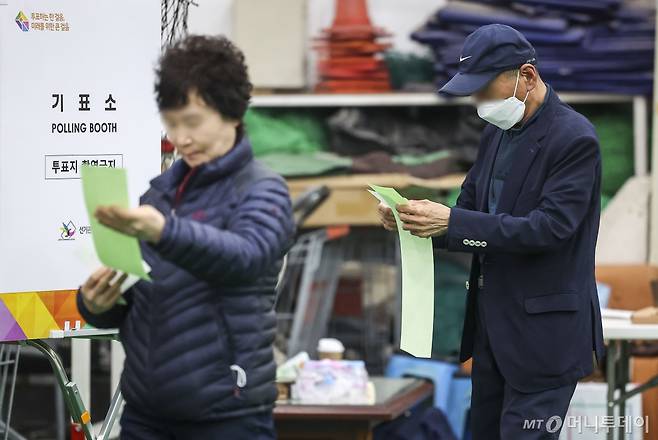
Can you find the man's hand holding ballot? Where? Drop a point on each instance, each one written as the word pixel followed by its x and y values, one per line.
pixel 422 218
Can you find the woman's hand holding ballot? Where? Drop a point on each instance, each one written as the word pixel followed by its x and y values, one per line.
pixel 144 222
pixel 422 218
pixel 99 293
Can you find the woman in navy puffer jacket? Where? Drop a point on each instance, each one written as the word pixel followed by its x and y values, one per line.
pixel 214 229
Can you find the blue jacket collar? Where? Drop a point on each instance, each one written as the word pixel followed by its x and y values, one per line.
pixel 209 172
pixel 523 157
pixel 538 127
pixel 515 131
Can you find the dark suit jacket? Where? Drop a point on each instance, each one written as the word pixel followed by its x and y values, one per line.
pixel 537 266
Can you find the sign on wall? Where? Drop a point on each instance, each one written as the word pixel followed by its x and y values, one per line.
pixel 76 87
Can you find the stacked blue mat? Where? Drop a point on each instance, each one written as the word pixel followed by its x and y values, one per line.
pixel 584 45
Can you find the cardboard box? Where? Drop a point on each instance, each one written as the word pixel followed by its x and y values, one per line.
pixel 272 36
pixel 630 284
pixel 647 315
pixel 350 203
pixel 643 369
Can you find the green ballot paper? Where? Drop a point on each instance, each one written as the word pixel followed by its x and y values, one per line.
pixel 103 187
pixel 417 322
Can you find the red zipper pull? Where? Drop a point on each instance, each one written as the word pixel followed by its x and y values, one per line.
pixel 181 188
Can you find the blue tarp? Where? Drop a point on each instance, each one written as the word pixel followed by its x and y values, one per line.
pixel 588 45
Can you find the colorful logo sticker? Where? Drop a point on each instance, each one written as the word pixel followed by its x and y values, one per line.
pixel 22 22
pixel 67 231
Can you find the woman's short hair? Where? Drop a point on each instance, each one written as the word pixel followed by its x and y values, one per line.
pixel 213 67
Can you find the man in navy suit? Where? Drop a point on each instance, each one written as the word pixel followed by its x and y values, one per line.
pixel 529 213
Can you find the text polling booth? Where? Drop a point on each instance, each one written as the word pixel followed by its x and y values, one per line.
pixel 76 88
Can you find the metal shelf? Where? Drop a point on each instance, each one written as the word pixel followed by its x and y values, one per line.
pixel 404 99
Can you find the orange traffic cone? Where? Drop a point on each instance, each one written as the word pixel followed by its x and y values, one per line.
pixel 351 13
pixel 350 52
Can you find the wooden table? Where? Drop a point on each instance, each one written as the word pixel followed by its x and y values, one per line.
pixel 350 204
pixel 393 397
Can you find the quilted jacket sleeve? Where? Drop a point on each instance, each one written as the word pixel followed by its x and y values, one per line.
pixel 258 233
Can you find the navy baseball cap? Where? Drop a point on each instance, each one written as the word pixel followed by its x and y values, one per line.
pixel 488 51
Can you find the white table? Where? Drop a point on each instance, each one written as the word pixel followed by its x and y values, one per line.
pixel 618 329
pixel 619 333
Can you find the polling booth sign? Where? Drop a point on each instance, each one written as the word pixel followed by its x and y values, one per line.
pixel 76 88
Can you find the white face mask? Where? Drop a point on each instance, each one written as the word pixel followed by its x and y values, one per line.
pixel 504 113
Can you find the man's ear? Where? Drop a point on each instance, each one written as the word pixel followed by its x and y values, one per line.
pixel 531 76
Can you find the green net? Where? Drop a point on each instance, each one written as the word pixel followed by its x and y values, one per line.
pixel 614 127
pixel 272 131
